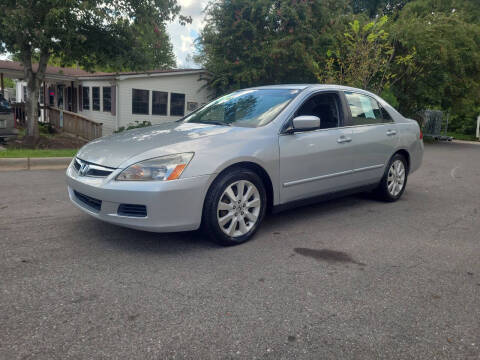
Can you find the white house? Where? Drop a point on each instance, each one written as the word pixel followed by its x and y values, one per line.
pixel 162 96
pixel 119 99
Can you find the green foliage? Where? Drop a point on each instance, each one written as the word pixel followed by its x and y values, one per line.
pixel 462 136
pixel 446 35
pixel 113 34
pixel 254 42
pixel 364 57
pixel 427 55
pixel 389 96
pixel 152 42
pixel 46 128
pixel 372 8
pixel 89 33
pixel 135 125
pixel 8 83
pixel 34 153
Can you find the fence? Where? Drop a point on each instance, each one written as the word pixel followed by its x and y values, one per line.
pixel 74 124
pixel 432 122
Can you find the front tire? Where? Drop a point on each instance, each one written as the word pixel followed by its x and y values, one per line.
pixel 234 207
pixel 394 180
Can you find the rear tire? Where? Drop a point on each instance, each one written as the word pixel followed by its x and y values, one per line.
pixel 394 180
pixel 234 207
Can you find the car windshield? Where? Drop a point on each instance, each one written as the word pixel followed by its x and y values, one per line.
pixel 245 108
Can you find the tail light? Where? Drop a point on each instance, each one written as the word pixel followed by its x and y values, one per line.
pixel 421 134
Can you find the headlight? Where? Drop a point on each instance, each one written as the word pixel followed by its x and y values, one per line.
pixel 163 168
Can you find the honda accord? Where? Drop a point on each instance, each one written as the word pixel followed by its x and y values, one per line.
pixel 221 167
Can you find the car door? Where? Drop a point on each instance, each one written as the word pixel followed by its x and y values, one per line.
pixel 318 161
pixel 374 137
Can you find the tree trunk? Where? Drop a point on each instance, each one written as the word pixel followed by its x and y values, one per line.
pixel 34 79
pixel 31 106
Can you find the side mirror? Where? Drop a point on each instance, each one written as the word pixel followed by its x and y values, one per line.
pixel 305 123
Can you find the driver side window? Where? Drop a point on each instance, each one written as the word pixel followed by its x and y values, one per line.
pixel 324 106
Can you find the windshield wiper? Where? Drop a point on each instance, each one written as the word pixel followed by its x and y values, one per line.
pixel 213 122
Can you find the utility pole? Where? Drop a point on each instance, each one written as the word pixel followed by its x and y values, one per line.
pixel 478 127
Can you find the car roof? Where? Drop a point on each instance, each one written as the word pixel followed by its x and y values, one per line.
pixel 311 86
pixel 283 86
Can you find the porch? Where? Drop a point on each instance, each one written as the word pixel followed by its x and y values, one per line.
pixel 59 99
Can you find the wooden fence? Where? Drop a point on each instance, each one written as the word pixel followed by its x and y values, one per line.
pixel 74 124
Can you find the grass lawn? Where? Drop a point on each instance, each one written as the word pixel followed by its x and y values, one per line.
pixel 19 153
pixel 463 137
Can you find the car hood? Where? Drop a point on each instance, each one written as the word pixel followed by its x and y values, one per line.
pixel 112 151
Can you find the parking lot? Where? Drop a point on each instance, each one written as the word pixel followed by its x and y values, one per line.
pixel 352 278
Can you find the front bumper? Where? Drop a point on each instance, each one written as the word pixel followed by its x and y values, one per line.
pixel 171 205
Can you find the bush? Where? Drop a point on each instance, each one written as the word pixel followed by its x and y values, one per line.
pixel 135 125
pixel 46 128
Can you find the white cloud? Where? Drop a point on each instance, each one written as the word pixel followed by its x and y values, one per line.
pixel 183 37
pixel 187 43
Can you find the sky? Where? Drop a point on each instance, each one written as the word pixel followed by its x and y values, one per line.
pixel 183 37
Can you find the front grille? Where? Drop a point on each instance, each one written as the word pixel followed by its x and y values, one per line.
pixel 98 172
pixel 85 168
pixel 89 201
pixel 132 210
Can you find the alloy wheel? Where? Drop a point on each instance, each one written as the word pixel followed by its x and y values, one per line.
pixel 238 208
pixel 396 178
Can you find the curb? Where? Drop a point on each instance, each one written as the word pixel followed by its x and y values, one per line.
pixel 467 142
pixel 47 163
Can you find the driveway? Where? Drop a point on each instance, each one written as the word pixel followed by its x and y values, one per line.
pixel 349 279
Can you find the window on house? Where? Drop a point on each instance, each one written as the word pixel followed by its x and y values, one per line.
pixel 86 98
pixel 69 99
pixel 191 106
pixel 140 102
pixel 96 98
pixel 177 104
pixel 41 96
pixel 159 103
pixel 51 96
pixel 107 98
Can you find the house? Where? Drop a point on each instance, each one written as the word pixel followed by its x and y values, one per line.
pixel 118 99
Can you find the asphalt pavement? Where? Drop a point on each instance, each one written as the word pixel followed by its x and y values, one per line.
pixel 352 278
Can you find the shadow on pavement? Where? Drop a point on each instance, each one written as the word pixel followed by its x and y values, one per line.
pixel 142 241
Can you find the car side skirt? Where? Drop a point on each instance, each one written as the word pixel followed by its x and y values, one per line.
pixel 324 197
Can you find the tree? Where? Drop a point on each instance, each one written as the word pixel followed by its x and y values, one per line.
pixel 364 57
pixel 255 42
pixel 427 55
pixel 372 8
pixel 446 35
pixel 90 33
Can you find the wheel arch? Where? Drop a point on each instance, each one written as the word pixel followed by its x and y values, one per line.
pixel 256 168
pixel 406 155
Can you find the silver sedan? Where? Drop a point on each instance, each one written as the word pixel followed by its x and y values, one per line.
pixel 266 148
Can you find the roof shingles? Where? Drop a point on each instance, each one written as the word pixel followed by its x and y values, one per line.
pixel 7 65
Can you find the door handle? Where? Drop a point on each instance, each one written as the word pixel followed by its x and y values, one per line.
pixel 391 132
pixel 343 139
